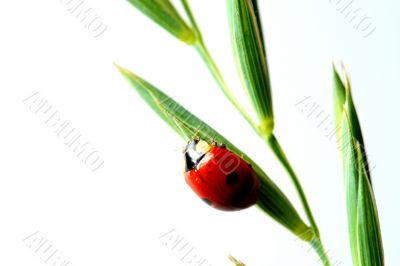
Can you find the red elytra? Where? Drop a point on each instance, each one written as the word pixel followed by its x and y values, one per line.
pixel 219 177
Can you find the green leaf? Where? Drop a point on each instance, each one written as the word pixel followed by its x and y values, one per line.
pixel 350 163
pixel 249 51
pixel 271 200
pixel 369 240
pixel 259 24
pixel 343 100
pixel 363 222
pixel 164 14
pixel 356 130
pixel 354 122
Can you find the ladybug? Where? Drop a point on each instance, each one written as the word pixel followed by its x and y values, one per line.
pixel 219 177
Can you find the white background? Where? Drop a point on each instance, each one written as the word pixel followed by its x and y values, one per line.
pixel 115 216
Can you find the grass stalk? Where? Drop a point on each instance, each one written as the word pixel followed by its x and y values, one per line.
pixel 202 49
pixel 270 140
pixel 316 244
pixel 281 156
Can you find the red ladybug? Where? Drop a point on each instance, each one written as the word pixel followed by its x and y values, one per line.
pixel 219 177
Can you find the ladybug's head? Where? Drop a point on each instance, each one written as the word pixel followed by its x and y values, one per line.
pixel 194 151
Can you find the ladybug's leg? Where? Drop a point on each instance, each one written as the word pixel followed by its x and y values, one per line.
pixel 196 136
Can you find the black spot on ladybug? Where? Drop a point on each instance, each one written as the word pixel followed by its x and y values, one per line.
pixel 207 201
pixel 232 179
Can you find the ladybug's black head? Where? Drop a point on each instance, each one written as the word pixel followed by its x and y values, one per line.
pixel 194 151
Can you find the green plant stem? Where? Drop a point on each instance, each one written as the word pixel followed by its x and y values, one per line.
pixel 201 48
pixel 205 55
pixel 316 244
pixel 271 140
pixel 279 153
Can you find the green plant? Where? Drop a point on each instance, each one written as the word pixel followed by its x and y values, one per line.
pixel 363 222
pixel 251 61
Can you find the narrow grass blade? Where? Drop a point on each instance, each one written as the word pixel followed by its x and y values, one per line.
pixel 369 240
pixel 249 51
pixel 356 129
pixel 353 117
pixel 350 167
pixel 344 100
pixel 259 24
pixel 271 200
pixel 363 222
pixel 165 15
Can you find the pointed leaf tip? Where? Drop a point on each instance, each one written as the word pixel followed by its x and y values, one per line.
pixel 339 97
